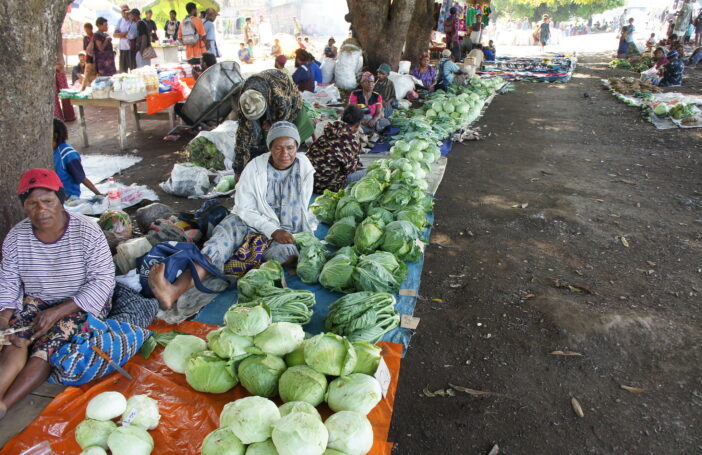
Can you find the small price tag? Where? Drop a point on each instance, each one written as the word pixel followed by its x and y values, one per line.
pixel 383 376
pixel 409 322
pixel 422 246
pixel 130 417
pixel 408 292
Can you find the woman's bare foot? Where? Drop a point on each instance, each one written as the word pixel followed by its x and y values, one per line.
pixel 163 290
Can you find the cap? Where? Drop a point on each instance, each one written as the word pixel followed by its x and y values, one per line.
pixel 253 105
pixel 39 178
pixel 82 53
pixel 124 7
pixel 281 60
pixel 446 53
pixel 385 68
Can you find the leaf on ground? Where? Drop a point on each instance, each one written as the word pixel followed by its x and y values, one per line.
pixel 573 287
pixel 473 392
pixel 632 389
pixel 566 353
pixel 627 181
pixel 651 263
pixel 427 393
pixel 529 296
pixel 576 407
pixel 148 347
pixel 624 241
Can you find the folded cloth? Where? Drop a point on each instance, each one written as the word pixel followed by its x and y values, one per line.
pixel 132 307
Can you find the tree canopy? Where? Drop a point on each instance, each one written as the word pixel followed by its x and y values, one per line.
pixel 559 10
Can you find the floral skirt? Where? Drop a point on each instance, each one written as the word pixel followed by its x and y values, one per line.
pixel 62 332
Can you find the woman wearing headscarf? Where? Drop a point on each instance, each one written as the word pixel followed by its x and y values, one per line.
pixel 266 98
pixel 673 71
pixel 372 104
pixel 56 269
pixel 271 203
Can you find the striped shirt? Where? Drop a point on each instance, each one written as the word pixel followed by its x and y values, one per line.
pixel 77 266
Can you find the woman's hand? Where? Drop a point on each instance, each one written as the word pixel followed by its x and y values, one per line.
pixel 45 320
pixel 283 236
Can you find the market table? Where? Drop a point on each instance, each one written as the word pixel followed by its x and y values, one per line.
pixel 122 107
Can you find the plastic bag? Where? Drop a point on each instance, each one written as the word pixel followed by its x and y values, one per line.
pixel 224 138
pixel 327 68
pixel 403 83
pixel 348 66
pixel 187 180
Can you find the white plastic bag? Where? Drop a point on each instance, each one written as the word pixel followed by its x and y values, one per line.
pixel 224 138
pixel 187 180
pixel 404 83
pixel 327 68
pixel 348 67
pixel 324 95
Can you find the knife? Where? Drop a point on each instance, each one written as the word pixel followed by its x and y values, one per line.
pixel 99 352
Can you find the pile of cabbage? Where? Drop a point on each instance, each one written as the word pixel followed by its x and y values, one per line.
pixel 99 432
pixel 271 360
pixel 445 111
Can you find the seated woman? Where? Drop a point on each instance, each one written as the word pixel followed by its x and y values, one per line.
pixel 372 103
pixel 272 199
pixel 56 268
pixel 386 89
pixel 304 76
pixel 654 74
pixel 673 71
pixel 425 72
pixel 245 54
pixel 334 155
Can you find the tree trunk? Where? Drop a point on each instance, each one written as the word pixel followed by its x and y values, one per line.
pixel 28 56
pixel 418 35
pixel 382 27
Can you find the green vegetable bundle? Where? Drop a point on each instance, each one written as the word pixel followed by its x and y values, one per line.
pixel 204 153
pixel 620 64
pixel 289 305
pixel 681 111
pixel 260 282
pixel 363 316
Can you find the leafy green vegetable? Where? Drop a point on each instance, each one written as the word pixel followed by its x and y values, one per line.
pixel 143 412
pixel 204 153
pixel 350 433
pixel 379 272
pixel 401 239
pixel 248 321
pixel 259 282
pixel 414 215
pixel 341 233
pixel 367 189
pixel 130 440
pixel 222 441
pixel 206 372
pixel 302 383
pixel 259 374
pixel 349 206
pixel 227 344
pixel 354 392
pixel 251 418
pixel 337 274
pixel 280 338
pixel 92 432
pixel 324 207
pixel 300 433
pixel 298 406
pixel 369 234
pixel 331 354
pixel 363 316
pixel 313 255
pixel 368 357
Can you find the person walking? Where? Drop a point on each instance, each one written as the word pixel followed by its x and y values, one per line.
pixel 544 32
pixel 211 32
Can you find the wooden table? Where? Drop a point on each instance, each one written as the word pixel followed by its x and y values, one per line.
pixel 122 107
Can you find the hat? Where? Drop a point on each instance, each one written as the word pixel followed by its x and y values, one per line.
pixel 39 178
pixel 124 7
pixel 367 77
pixel 82 53
pixel 673 54
pixel 385 68
pixel 446 53
pixel 281 60
pixel 282 129
pixel 253 105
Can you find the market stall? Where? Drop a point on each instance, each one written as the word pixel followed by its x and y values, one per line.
pixel 532 69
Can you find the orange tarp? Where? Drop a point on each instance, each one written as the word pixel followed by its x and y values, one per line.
pixel 187 416
pixel 160 101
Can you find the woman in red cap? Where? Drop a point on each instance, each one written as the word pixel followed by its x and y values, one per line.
pixel 56 268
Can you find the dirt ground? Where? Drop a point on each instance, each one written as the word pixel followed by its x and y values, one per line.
pixel 495 298
pixel 583 171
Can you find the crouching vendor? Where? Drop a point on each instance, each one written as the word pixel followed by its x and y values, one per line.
pixel 271 204
pixel 56 268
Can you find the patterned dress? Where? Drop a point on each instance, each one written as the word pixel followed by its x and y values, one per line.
pixel 283 104
pixel 334 156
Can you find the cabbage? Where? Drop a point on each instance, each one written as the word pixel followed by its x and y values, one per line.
pixel 262 448
pixel 324 207
pixel 106 406
pixel 401 240
pixel 367 357
pixel 331 354
pixel 350 433
pixel 431 113
pixel 381 174
pixel 260 374
pixel 298 406
pixel 661 110
pixel 367 189
pixel 94 433
pixel 313 255
pixel 247 321
pixel 414 215
pixel 369 235
pixel 302 383
pixel 280 338
pixel 300 433
pixel 260 281
pixel 341 233
pixel 332 452
pixel 379 272
pixel 402 145
pixel 94 450
pixel 142 411
pixel 381 214
pixel 251 418
pixel 227 344
pixel 349 206
pixel 222 441
pixel 297 357
pixel 337 273
pixel 355 392
pixel 206 372
pixel 130 440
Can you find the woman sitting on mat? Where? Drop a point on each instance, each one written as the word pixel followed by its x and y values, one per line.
pixel 266 98
pixel 334 155
pixel 56 268
pixel 371 101
pixel 272 199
